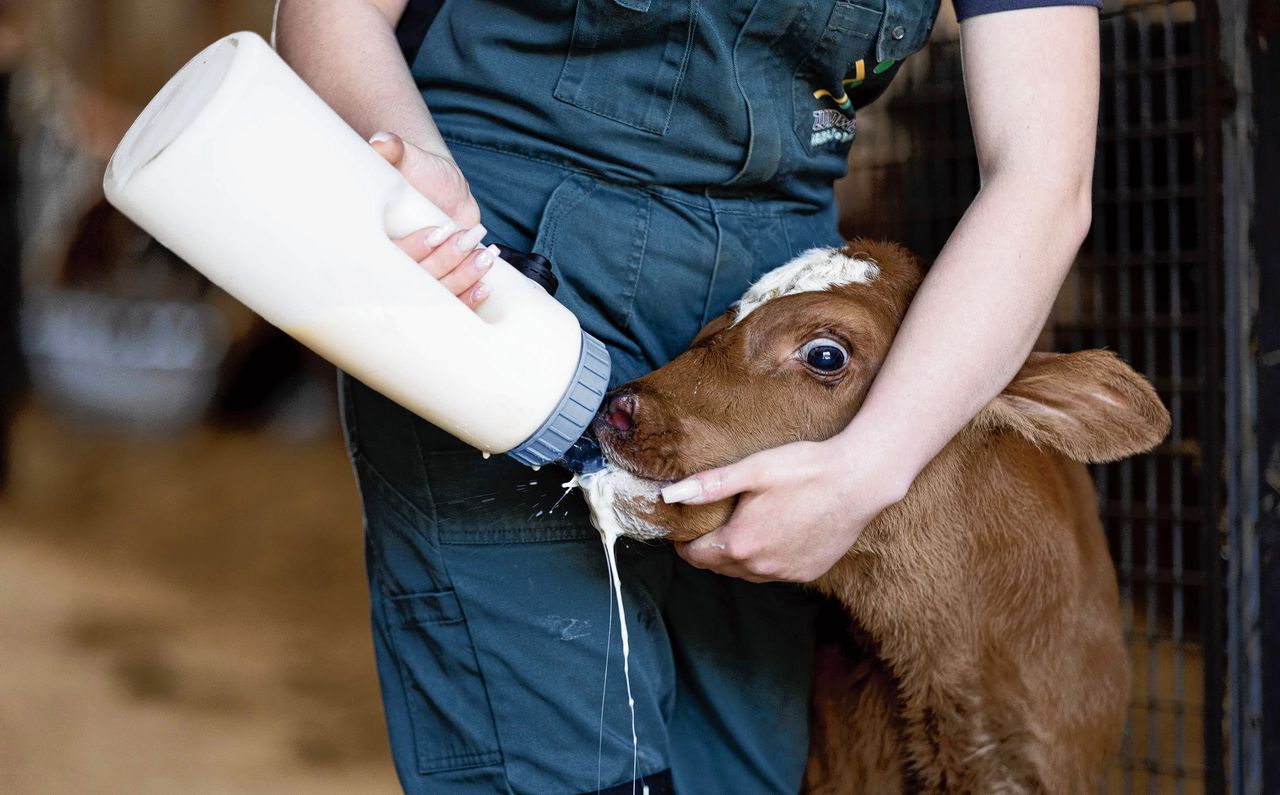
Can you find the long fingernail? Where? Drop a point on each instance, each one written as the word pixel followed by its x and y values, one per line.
pixel 439 235
pixel 470 238
pixel 484 259
pixel 480 293
pixel 380 137
pixel 685 490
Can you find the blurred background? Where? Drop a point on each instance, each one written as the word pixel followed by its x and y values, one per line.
pixel 182 602
pixel 182 597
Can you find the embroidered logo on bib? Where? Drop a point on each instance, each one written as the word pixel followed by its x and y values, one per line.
pixel 837 126
pixel 832 126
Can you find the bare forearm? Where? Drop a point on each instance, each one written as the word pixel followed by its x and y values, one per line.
pixel 986 298
pixel 972 323
pixel 347 52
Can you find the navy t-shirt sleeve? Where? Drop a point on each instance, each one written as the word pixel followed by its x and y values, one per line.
pixel 973 8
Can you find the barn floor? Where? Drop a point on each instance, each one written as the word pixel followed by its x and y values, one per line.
pixel 184 616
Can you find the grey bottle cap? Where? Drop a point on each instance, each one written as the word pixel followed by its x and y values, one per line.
pixel 575 411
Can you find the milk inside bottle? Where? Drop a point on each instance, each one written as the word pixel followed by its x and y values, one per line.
pixel 244 172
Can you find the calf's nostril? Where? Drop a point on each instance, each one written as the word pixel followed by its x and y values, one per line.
pixel 621 413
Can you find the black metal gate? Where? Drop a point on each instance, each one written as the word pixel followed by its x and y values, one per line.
pixel 1150 285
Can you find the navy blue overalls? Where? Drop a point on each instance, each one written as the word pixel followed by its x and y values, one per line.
pixel 663 155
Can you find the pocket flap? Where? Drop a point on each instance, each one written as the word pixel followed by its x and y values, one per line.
pixel 418 609
pixel 905 29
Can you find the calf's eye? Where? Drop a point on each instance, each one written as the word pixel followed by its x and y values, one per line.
pixel 824 355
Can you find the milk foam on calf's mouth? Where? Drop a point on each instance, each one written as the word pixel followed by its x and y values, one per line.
pixel 617 499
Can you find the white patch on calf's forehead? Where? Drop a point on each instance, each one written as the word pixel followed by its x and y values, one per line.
pixel 812 271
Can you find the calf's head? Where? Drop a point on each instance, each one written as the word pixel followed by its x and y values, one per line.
pixel 793 360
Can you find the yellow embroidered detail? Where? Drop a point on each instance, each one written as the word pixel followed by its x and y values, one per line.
pixel 842 100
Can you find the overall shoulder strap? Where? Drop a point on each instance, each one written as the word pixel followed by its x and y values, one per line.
pixel 413 25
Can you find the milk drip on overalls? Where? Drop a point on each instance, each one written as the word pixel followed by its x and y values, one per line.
pixel 240 169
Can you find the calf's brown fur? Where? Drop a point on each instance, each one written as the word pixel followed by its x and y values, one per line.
pixel 984 605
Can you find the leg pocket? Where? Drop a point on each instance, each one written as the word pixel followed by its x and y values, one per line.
pixel 626 60
pixel 596 234
pixel 447 702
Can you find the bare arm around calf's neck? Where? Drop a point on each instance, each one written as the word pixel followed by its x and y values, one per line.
pixel 1032 83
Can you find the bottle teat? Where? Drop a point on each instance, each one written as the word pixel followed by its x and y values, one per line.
pixel 584 457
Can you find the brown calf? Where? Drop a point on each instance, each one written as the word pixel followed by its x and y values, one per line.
pixel 985 616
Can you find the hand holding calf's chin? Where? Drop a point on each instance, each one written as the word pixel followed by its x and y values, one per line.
pixel 800 507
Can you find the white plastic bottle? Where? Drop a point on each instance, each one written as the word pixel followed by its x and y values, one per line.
pixel 240 169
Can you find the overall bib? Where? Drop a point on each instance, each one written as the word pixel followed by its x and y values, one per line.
pixel 663 155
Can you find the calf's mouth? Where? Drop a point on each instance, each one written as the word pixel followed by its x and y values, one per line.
pixel 621 462
pixel 638 434
pixel 644 441
pixel 626 496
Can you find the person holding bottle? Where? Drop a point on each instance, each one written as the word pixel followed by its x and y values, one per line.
pixel 664 156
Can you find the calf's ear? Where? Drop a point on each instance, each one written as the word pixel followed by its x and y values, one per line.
pixel 1090 406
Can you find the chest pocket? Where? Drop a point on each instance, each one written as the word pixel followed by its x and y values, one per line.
pixel 626 59
pixel 857 54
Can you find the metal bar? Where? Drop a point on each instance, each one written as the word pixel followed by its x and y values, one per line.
pixel 1157 767
pixel 1186 646
pixel 1160 260
pixel 1153 65
pixel 1147 232
pixel 1162 705
pixel 1106 323
pixel 1125 564
pixel 1209 181
pixel 1141 196
pixel 1164 577
pixel 1265 42
pixel 1243 586
pixel 1183 126
pixel 1175 398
